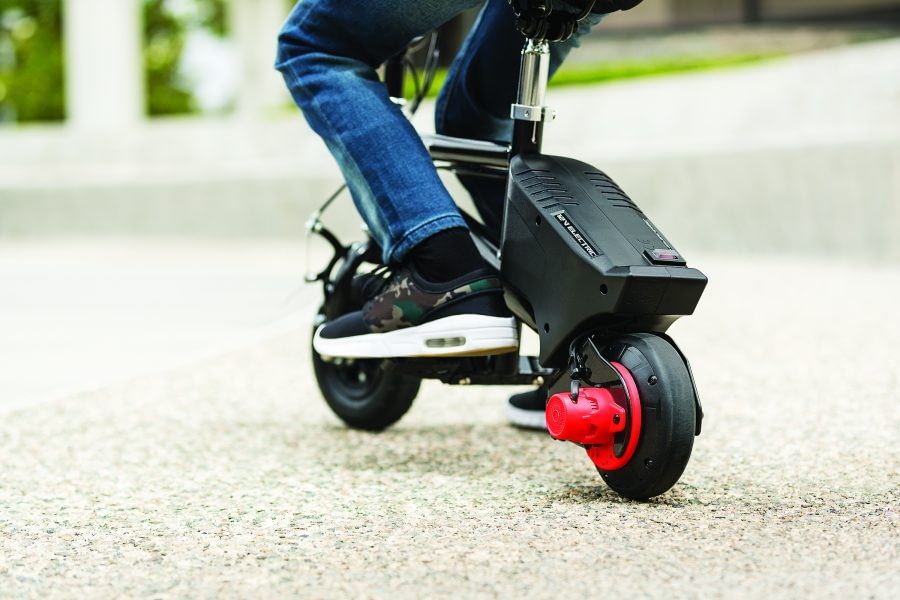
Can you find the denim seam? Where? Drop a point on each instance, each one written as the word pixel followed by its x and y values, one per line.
pixel 397 249
pixel 349 159
pixel 297 25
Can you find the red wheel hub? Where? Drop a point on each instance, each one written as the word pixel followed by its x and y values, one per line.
pixel 595 417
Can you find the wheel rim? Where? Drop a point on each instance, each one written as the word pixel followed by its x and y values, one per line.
pixel 357 378
pixel 605 457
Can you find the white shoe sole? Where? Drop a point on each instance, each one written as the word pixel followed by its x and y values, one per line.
pixel 459 335
pixel 527 419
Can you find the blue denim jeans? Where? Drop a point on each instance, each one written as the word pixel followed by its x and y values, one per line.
pixel 328 51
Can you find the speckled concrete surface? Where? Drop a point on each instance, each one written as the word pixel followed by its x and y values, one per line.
pixel 230 478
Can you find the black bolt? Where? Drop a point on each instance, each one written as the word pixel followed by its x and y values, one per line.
pixel 653 380
pixel 616 419
pixel 648 463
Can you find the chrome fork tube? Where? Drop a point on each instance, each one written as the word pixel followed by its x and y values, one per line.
pixel 534 73
pixel 529 112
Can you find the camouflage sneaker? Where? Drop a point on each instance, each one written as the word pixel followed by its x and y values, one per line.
pixel 366 286
pixel 415 317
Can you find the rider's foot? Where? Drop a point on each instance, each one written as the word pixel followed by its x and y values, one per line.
pixel 366 286
pixel 416 317
pixel 526 410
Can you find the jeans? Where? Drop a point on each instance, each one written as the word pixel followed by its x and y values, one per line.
pixel 328 51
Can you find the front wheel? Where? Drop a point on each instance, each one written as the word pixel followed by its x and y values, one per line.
pixel 362 394
pixel 668 415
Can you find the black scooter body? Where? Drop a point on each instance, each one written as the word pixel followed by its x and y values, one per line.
pixel 586 258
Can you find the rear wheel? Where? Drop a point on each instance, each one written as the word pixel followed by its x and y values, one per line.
pixel 668 413
pixel 362 393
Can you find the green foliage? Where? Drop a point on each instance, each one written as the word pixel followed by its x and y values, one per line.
pixel 214 16
pixel 632 69
pixel 31 72
pixel 31 56
pixel 164 37
pixel 163 44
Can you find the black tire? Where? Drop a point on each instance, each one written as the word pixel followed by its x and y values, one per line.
pixel 362 394
pixel 668 412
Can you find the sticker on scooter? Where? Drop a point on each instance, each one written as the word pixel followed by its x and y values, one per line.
pixel 567 224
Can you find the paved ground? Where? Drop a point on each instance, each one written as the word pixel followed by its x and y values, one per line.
pixel 81 314
pixel 227 476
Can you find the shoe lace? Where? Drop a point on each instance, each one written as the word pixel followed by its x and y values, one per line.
pixel 380 277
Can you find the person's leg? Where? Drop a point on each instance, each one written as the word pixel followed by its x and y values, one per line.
pixel 480 87
pixel 327 52
pixel 442 298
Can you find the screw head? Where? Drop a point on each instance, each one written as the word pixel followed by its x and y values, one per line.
pixel 653 380
pixel 616 419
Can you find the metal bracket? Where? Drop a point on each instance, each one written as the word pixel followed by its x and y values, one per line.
pixel 314 226
pixel 581 374
pixel 619 381
pixel 535 114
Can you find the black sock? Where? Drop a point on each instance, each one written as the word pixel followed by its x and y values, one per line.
pixel 446 255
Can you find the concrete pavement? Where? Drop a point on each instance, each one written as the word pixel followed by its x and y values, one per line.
pixel 228 477
pixel 82 314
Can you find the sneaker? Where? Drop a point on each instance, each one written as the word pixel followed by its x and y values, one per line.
pixel 526 410
pixel 366 286
pixel 416 317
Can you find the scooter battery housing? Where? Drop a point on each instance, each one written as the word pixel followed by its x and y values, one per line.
pixel 586 257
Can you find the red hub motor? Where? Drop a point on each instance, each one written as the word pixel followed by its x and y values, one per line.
pixel 606 421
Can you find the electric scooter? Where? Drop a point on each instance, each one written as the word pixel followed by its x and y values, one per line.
pixel 581 265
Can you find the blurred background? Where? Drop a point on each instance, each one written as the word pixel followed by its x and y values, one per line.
pixel 155 177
